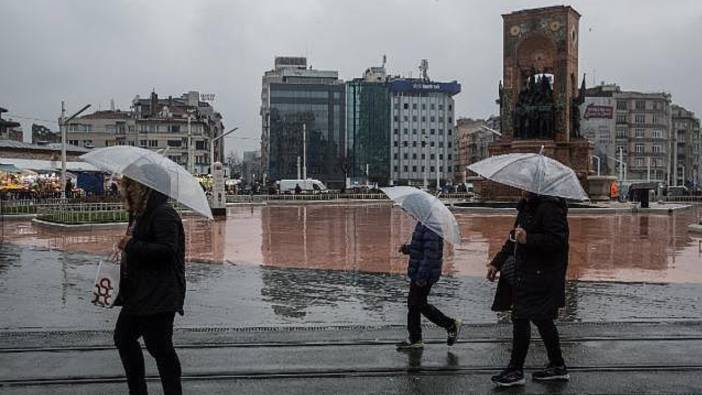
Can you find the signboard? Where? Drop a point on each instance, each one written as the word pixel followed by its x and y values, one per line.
pixel 594 111
pixel 207 96
pixel 409 85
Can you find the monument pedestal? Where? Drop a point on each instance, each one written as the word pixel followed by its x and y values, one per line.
pixel 600 187
pixel 576 154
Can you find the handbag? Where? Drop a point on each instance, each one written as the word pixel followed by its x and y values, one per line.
pixel 508 271
pixel 106 286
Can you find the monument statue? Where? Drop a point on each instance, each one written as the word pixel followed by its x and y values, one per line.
pixel 534 112
pixel 575 111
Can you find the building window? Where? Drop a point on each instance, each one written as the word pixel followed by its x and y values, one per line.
pixel 622 133
pixel 142 143
pixel 414 106
pixel 394 156
pixel 414 131
pixel 450 145
pixel 657 134
pixel 404 143
pixel 657 149
pixel 441 156
pixel 441 144
pixel 450 131
pixel 441 106
pixel 431 169
pixel 405 118
pixel 640 118
pixel 200 145
pixel 174 143
pixel 404 168
pixel 432 119
pixel 394 143
pixel 450 157
pixel 405 156
pixel 639 162
pixel 414 156
pixel 394 168
pixel 432 131
pixel 640 104
pixel 414 118
pixel 424 156
pixel 396 131
pixel 405 106
pixel 424 106
pixel 431 144
pixel 432 106
pixel 414 168
pixel 639 148
pixel 424 119
pixel 639 133
pixel 405 131
pixel 395 118
pixel 450 108
pixel 450 119
pixel 621 105
pixel 431 157
pixel 621 118
pixel 414 144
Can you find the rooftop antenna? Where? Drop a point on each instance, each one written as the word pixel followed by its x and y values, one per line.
pixel 423 69
pixel 112 104
pixel 385 60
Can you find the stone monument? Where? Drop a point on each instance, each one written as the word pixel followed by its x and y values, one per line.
pixel 539 96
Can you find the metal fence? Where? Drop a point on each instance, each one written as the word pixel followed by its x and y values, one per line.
pixel 329 197
pixel 683 199
pixel 82 213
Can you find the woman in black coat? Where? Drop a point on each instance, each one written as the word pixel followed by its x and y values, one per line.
pixel 532 285
pixel 152 287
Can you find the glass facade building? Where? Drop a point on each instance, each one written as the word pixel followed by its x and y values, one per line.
pixel 368 131
pixel 320 107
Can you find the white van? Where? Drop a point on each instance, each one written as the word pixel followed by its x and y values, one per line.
pixel 308 186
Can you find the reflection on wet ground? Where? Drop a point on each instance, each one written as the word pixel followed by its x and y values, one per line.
pixel 604 247
pixel 42 288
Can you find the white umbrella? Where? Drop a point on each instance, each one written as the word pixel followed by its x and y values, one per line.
pixel 153 170
pixel 428 210
pixel 532 172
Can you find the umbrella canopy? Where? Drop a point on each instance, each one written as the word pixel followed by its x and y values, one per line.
pixel 428 210
pixel 153 170
pixel 535 173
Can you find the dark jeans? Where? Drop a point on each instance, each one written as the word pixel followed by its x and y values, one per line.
pixel 521 336
pixel 157 331
pixel 417 306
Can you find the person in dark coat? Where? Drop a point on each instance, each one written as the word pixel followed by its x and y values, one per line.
pixel 534 287
pixel 424 269
pixel 152 287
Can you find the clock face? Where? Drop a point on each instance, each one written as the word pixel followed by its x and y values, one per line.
pixel 515 30
pixel 555 25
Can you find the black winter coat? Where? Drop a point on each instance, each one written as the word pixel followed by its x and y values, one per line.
pixel 153 273
pixel 426 255
pixel 540 264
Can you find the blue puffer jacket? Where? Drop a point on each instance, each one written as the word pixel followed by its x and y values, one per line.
pixel 426 255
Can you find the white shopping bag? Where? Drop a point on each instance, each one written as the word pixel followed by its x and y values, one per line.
pixel 106 286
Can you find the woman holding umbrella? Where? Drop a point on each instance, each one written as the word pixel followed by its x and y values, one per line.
pixel 152 273
pixel 533 260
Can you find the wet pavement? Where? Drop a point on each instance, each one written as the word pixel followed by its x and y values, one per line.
pixel 606 358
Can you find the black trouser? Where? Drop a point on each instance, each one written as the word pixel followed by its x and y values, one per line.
pixel 521 335
pixel 417 306
pixel 157 331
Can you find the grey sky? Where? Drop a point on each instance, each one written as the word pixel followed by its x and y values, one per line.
pixel 93 51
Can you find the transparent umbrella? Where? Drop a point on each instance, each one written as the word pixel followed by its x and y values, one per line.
pixel 153 170
pixel 428 210
pixel 531 172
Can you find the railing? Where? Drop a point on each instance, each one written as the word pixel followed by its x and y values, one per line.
pixel 83 213
pixel 328 197
pixel 683 199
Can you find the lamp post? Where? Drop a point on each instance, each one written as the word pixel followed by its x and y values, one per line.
pixel 212 146
pixel 598 163
pixel 62 126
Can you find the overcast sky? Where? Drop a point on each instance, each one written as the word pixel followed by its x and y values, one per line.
pixel 85 51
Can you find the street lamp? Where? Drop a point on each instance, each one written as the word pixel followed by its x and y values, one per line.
pixel 63 144
pixel 212 146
